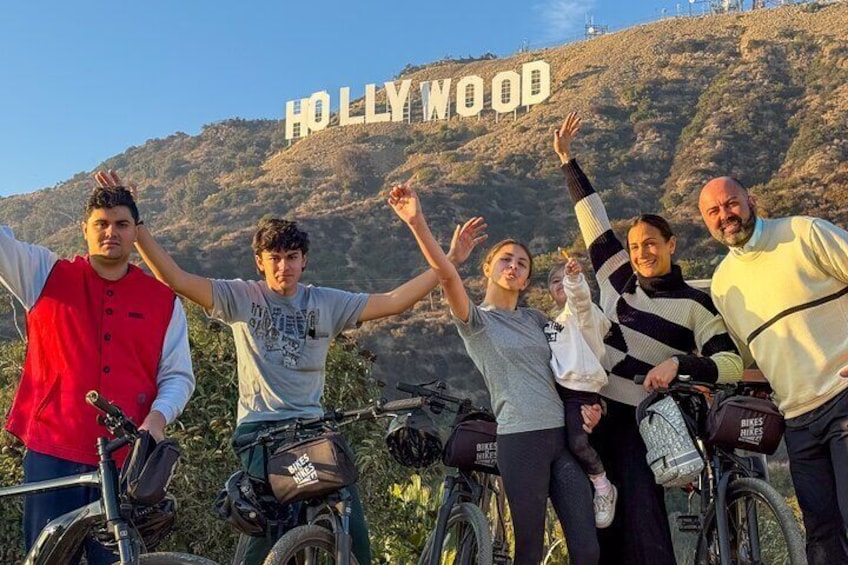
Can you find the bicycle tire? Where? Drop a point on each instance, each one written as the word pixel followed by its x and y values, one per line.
pixel 465 520
pixel 172 558
pixel 775 521
pixel 291 547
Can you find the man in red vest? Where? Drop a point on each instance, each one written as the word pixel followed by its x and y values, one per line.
pixel 93 323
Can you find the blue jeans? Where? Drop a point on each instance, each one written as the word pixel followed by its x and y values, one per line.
pixel 40 508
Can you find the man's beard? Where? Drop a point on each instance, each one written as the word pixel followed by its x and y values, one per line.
pixel 741 237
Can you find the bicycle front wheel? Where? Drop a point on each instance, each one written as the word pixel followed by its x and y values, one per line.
pixel 305 545
pixel 170 558
pixel 467 540
pixel 762 528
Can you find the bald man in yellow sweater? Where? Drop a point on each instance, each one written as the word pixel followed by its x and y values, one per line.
pixel 783 292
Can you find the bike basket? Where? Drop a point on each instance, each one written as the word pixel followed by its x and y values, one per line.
pixel 311 468
pixel 744 422
pixel 671 453
pixel 472 446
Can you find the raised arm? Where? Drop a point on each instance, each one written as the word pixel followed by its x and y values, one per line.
pixel 465 239
pixel 609 258
pixel 404 201
pixel 194 287
pixel 593 324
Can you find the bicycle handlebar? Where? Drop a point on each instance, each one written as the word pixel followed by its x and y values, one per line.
pixel 338 417
pixel 93 398
pixel 436 397
pixel 685 383
pixel 404 404
pixel 114 420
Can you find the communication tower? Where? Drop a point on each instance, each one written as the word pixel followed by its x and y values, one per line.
pixel 755 4
pixel 593 29
pixel 725 6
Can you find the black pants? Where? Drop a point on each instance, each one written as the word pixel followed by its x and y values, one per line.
pixel 535 466
pixel 817 443
pixel 578 439
pixel 639 535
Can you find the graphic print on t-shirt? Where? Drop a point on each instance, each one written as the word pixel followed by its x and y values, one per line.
pixel 281 332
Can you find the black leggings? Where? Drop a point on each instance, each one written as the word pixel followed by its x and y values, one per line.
pixel 536 466
pixel 578 438
pixel 640 534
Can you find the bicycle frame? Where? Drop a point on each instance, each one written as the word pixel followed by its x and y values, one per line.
pixel 333 510
pixel 330 510
pixel 62 537
pixel 723 466
pixel 461 487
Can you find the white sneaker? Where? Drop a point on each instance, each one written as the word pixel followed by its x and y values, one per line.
pixel 605 507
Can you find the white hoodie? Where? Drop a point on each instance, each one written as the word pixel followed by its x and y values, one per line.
pixel 577 339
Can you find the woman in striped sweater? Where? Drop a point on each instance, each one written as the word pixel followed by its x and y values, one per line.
pixel 661 327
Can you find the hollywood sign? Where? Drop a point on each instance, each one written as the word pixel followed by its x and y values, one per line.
pixel 509 90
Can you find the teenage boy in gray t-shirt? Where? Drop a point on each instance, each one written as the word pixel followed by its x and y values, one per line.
pixel 283 330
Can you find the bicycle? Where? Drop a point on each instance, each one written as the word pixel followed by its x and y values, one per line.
pixel 62 538
pixel 323 535
pixel 463 534
pixel 742 519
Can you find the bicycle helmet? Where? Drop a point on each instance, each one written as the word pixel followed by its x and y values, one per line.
pixel 413 440
pixel 151 524
pixel 238 503
pixel 154 523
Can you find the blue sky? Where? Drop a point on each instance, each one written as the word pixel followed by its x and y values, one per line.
pixel 82 81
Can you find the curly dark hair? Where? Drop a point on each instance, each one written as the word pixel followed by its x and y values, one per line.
pixel 110 197
pixel 276 234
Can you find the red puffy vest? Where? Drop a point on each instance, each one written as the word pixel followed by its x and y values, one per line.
pixel 88 333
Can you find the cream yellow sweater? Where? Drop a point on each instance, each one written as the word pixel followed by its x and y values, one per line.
pixel 785 300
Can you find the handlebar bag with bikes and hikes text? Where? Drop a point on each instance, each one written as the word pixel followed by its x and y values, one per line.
pixel 671 452
pixel 311 467
pixel 738 421
pixel 472 444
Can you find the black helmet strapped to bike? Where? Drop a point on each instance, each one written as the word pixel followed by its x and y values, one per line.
pixel 413 439
pixel 238 503
pixel 249 505
pixel 154 523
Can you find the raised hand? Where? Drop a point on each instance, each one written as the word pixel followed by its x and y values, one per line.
pixel 465 238
pixel 110 179
pixel 565 135
pixel 573 268
pixel 405 203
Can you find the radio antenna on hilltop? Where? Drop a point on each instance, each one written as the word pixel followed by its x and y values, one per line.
pixel 725 6
pixel 755 4
pixel 593 29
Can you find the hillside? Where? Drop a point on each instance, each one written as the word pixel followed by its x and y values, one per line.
pixel 762 96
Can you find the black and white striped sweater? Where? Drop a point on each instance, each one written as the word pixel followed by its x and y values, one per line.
pixel 648 325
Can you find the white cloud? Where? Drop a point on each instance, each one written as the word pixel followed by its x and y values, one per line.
pixel 562 19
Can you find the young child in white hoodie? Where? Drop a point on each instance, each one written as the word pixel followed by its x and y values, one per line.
pixel 576 338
